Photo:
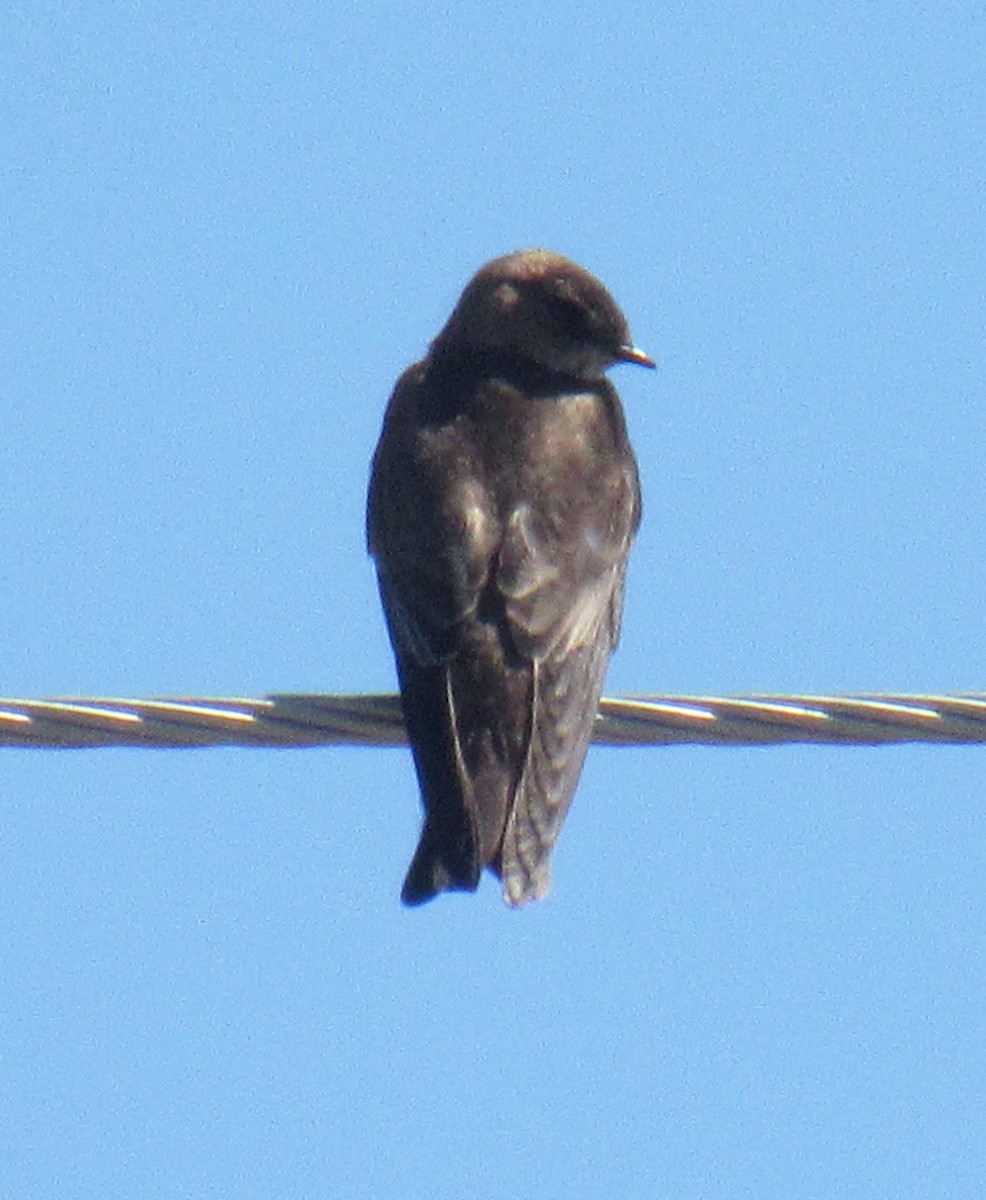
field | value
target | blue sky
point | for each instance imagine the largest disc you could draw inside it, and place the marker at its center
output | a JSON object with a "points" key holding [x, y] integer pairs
{"points": [[225, 231]]}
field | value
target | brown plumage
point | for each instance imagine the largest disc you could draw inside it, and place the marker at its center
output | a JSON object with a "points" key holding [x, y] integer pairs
{"points": [[502, 505]]}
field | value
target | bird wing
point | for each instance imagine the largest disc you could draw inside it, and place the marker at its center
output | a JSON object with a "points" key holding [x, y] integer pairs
{"points": [[433, 531], [564, 613], [448, 854]]}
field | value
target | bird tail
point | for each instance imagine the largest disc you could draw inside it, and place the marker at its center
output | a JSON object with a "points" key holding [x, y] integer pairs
{"points": [[433, 869]]}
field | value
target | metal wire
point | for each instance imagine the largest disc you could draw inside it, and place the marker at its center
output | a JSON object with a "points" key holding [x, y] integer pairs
{"points": [[320, 720]]}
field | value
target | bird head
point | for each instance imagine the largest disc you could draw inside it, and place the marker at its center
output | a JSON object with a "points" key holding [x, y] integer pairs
{"points": [[545, 309]]}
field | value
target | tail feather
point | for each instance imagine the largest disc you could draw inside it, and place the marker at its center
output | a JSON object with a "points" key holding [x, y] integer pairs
{"points": [[433, 869]]}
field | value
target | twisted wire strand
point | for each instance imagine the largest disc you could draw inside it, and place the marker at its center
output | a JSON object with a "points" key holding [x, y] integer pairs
{"points": [[289, 720]]}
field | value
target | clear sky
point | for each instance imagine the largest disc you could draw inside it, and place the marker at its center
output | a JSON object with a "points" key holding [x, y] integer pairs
{"points": [[225, 231]]}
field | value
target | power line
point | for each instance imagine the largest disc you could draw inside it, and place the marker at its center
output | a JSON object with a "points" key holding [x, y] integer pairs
{"points": [[288, 720]]}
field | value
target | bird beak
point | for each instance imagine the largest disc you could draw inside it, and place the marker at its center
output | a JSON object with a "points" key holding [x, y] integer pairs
{"points": [[631, 354]]}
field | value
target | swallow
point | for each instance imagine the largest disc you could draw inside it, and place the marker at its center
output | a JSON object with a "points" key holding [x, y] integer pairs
{"points": [[503, 501]]}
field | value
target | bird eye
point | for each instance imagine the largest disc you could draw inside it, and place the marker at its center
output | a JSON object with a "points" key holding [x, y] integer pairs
{"points": [[573, 316]]}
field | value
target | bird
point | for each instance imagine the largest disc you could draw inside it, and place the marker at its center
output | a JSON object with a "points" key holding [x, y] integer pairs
{"points": [[504, 498]]}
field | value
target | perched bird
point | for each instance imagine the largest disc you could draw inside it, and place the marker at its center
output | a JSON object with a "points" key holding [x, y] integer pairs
{"points": [[503, 501]]}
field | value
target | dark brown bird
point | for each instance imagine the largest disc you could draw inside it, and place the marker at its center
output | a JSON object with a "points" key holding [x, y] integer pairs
{"points": [[503, 501]]}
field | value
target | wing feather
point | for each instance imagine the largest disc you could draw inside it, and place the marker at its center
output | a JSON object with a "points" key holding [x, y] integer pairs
{"points": [[564, 613]]}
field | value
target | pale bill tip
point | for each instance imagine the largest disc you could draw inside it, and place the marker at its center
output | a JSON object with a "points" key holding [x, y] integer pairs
{"points": [[631, 354]]}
